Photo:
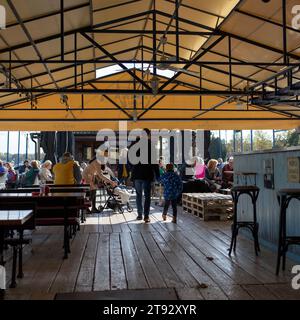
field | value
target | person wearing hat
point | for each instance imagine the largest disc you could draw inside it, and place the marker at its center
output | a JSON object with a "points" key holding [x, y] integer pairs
{"points": [[67, 171], [172, 190]]}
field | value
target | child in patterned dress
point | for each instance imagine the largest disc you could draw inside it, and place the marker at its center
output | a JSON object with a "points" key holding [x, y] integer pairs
{"points": [[172, 190]]}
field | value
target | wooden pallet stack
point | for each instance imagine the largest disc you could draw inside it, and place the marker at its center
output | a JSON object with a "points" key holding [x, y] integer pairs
{"points": [[208, 206]]}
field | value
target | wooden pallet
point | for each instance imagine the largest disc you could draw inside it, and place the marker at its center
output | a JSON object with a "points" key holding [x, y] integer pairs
{"points": [[208, 206]]}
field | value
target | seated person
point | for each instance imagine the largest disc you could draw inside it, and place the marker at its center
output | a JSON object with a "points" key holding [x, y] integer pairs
{"points": [[31, 177], [3, 175], [212, 175], [45, 172], [24, 168], [187, 170], [12, 176], [199, 168], [227, 174]]}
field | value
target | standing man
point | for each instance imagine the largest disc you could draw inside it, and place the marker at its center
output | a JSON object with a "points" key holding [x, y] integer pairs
{"points": [[67, 171], [143, 175]]}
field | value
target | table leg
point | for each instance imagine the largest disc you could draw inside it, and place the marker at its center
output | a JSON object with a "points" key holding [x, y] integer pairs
{"points": [[2, 262], [13, 283], [279, 250], [20, 273]]}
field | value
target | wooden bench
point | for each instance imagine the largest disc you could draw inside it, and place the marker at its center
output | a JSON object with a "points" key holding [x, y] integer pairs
{"points": [[208, 206], [56, 209]]}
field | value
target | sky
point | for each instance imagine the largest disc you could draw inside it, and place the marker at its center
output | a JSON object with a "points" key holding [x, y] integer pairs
{"points": [[13, 142]]}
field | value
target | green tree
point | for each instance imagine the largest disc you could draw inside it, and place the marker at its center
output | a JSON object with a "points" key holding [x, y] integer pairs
{"points": [[261, 141], [217, 148], [287, 139]]}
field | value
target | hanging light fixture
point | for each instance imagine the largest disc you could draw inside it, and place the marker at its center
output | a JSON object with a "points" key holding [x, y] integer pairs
{"points": [[134, 115], [154, 83], [64, 100]]}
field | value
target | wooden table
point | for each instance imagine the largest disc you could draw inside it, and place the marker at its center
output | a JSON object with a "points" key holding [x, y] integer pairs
{"points": [[11, 220], [52, 189], [14, 218], [65, 200]]}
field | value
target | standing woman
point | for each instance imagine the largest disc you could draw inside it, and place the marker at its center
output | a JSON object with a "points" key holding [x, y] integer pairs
{"points": [[45, 172], [92, 175]]}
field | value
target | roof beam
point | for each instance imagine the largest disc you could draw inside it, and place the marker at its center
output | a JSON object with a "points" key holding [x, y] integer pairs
{"points": [[234, 36], [71, 32], [16, 14], [199, 10], [115, 60], [113, 102], [47, 15], [267, 20], [129, 91], [197, 57]]}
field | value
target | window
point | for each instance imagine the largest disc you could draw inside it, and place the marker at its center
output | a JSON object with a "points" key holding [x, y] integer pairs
{"points": [[114, 69]]}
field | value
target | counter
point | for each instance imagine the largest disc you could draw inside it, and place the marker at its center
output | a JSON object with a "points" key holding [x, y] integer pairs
{"points": [[267, 204]]}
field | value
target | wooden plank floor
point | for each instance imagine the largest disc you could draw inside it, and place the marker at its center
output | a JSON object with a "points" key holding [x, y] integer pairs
{"points": [[116, 252]]}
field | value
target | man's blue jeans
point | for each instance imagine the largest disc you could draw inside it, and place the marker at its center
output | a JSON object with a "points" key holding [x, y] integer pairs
{"points": [[140, 187]]}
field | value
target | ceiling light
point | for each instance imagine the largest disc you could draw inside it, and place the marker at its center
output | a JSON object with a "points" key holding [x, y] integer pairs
{"points": [[64, 100], [154, 83], [134, 115]]}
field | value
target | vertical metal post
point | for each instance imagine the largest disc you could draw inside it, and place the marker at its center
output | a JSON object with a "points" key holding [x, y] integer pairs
{"points": [[7, 152], [154, 39], [230, 65], [201, 98], [160, 146], [134, 88], [220, 145], [82, 96], [234, 146], [284, 31], [182, 146], [251, 140], [26, 147], [18, 156], [274, 139], [143, 73], [172, 149], [242, 141], [62, 30], [10, 76], [177, 29], [75, 58]]}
